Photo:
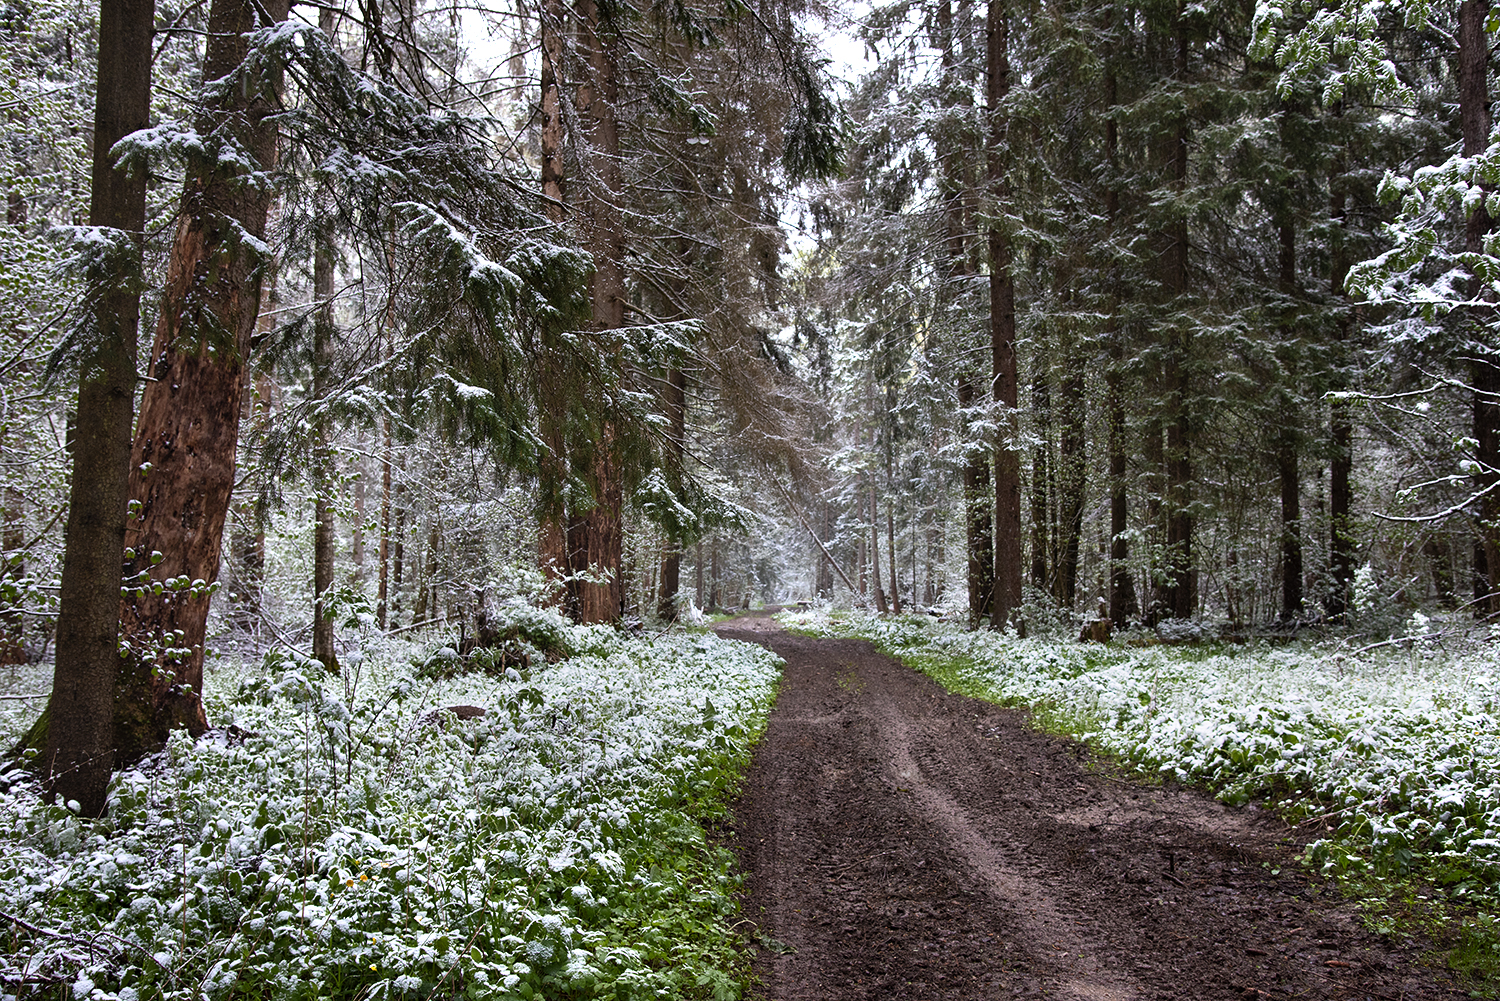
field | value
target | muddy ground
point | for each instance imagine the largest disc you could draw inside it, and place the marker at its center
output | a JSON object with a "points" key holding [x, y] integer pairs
{"points": [[902, 842]]}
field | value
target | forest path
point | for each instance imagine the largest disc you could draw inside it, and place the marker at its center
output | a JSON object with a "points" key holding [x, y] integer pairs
{"points": [[903, 842]]}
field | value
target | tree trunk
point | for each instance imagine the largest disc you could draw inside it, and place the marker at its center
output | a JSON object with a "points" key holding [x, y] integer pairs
{"points": [[382, 594], [321, 472], [357, 532], [1181, 590], [1041, 402], [825, 561], [603, 233], [859, 559], [932, 561], [979, 525], [1122, 599], [713, 593], [13, 622], [13, 539], [1291, 528], [1437, 552], [977, 498], [890, 539], [1123, 604], [698, 571], [880, 603], [599, 595], [1071, 479], [78, 746], [1286, 455], [247, 541], [1155, 462], [398, 550], [1007, 565], [552, 516], [674, 398], [429, 597], [1474, 118], [552, 132], [182, 465], [1340, 427]]}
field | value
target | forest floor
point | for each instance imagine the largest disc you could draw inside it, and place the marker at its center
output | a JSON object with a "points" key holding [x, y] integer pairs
{"points": [[903, 842]]}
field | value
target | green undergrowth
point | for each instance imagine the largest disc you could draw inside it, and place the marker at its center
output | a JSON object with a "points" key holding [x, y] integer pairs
{"points": [[1391, 757], [342, 837]]}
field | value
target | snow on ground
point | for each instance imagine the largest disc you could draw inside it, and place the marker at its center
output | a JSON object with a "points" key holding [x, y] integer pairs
{"points": [[334, 836]]}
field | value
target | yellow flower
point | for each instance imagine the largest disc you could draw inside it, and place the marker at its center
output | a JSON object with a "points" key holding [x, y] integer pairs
{"points": [[364, 876], [348, 882]]}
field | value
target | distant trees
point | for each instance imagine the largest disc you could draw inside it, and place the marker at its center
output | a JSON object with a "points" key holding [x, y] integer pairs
{"points": [[430, 293], [1178, 219], [1085, 328]]}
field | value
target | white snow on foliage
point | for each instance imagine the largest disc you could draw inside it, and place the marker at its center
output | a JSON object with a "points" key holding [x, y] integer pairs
{"points": [[351, 843], [1397, 749]]}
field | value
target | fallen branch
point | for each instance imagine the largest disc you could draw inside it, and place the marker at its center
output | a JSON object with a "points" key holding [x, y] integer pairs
{"points": [[88, 943], [827, 555]]}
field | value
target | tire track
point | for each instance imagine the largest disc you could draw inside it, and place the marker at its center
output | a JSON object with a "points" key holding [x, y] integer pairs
{"points": [[902, 842]]}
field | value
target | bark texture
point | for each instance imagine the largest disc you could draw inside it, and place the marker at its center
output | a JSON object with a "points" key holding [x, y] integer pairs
{"points": [[1180, 594], [674, 400], [78, 752], [322, 470], [1340, 426], [1007, 586], [1122, 600], [1286, 454], [602, 227], [979, 524], [1474, 118], [552, 516], [13, 540], [1071, 479], [182, 464]]}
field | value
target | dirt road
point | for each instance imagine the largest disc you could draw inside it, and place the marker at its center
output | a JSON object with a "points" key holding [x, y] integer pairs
{"points": [[902, 842]]}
